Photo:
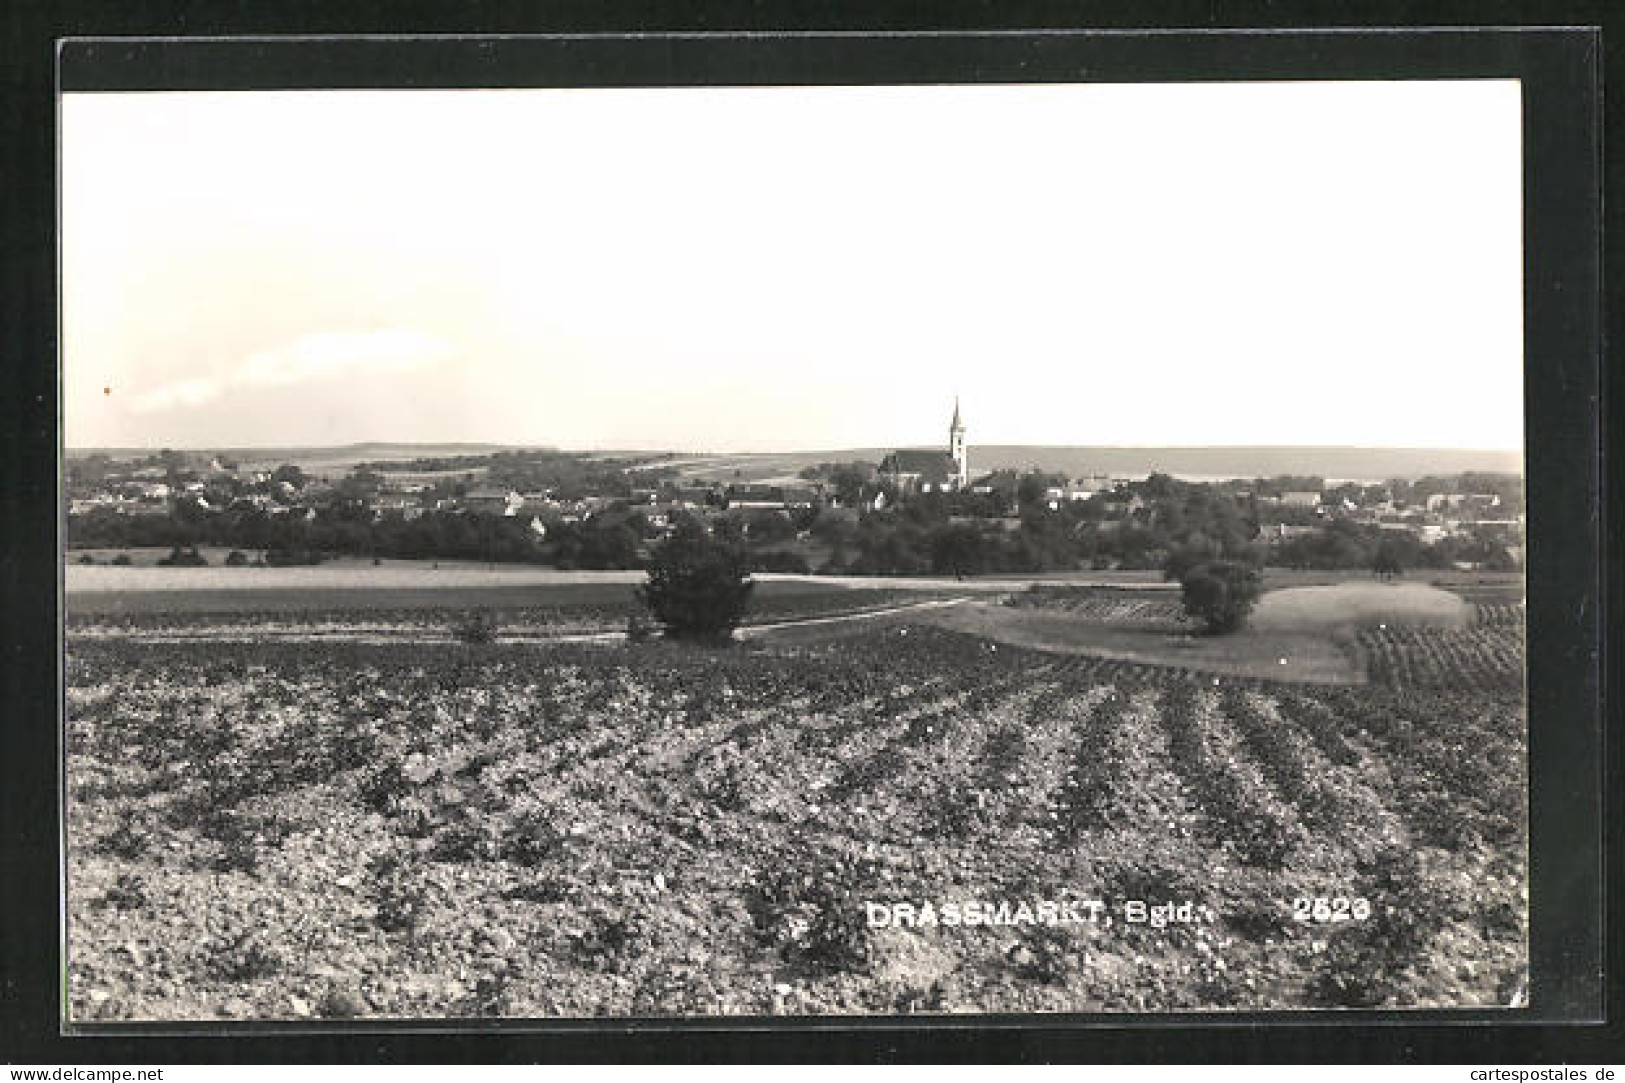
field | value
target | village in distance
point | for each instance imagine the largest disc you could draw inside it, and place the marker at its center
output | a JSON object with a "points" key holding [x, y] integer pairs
{"points": [[1001, 512]]}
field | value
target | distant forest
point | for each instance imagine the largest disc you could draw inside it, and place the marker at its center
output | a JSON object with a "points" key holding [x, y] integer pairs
{"points": [[569, 475]]}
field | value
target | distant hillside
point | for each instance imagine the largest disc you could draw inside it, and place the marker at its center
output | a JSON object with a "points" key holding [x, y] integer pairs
{"points": [[320, 461], [291, 454], [1352, 463], [1192, 463], [1196, 463]]}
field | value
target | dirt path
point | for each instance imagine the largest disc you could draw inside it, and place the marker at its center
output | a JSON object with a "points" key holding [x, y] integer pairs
{"points": [[353, 575], [1001, 584]]}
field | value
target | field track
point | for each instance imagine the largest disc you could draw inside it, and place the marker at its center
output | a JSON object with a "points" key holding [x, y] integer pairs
{"points": [[408, 632], [108, 591]]}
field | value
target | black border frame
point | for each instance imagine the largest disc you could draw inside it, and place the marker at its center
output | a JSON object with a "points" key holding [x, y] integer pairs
{"points": [[1561, 72]]}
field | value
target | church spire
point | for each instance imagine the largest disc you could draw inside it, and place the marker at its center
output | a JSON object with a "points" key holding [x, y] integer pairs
{"points": [[956, 450]]}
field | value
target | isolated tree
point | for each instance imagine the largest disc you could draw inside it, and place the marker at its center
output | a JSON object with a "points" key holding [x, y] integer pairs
{"points": [[1030, 489], [848, 481], [1160, 486], [1220, 594], [174, 465], [290, 473], [184, 557], [1196, 549], [1388, 562], [698, 585]]}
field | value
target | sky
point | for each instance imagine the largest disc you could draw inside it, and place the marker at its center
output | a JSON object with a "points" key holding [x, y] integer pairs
{"points": [[777, 269]]}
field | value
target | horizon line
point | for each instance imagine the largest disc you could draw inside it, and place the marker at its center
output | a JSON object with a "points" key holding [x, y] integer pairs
{"points": [[499, 444]]}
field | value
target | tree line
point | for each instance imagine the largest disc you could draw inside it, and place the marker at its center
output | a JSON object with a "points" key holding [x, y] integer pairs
{"points": [[1160, 523]]}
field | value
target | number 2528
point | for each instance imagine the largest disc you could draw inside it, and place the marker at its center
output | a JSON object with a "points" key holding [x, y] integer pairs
{"points": [[1336, 908]]}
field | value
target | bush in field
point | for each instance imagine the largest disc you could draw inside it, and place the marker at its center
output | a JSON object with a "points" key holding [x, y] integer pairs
{"points": [[236, 559], [87, 559], [1220, 594], [184, 557], [122, 560], [698, 585]]}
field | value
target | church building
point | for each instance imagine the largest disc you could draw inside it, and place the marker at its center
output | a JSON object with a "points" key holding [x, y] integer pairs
{"points": [[947, 471]]}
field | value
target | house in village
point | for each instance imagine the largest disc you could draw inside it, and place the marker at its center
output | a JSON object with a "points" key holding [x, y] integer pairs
{"points": [[1082, 489], [402, 504], [1469, 502], [755, 497], [802, 496], [493, 502]]}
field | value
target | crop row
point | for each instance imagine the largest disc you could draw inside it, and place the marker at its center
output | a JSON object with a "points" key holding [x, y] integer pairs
{"points": [[1486, 657], [1240, 811], [1108, 607], [1286, 758], [1457, 762], [1098, 775], [1498, 614]]}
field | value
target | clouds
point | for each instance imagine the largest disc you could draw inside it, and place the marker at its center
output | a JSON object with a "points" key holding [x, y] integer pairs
{"points": [[194, 391], [320, 356], [323, 356]]}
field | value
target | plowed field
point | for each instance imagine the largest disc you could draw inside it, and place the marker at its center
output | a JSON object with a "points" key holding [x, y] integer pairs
{"points": [[407, 831]]}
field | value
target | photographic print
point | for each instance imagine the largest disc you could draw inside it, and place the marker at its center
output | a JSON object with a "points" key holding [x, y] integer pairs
{"points": [[793, 551]]}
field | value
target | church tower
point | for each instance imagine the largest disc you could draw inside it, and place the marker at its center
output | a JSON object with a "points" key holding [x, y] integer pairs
{"points": [[956, 450]]}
